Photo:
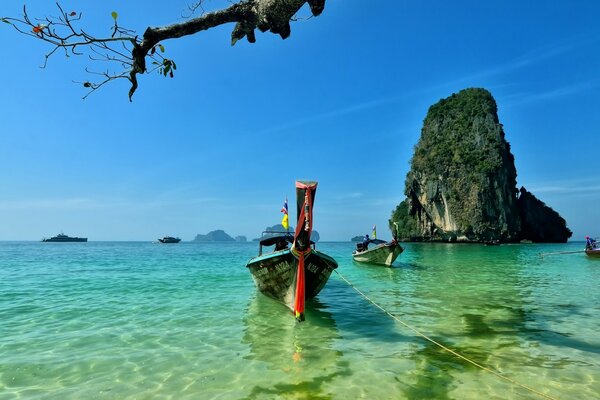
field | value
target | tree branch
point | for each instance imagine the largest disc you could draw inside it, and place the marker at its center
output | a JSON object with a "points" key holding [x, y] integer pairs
{"points": [[248, 15]]}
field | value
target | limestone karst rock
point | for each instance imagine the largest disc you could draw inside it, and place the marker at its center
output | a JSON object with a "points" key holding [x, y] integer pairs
{"points": [[462, 182]]}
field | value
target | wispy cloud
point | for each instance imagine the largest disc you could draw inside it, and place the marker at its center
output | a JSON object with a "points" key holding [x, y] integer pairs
{"points": [[565, 189], [335, 113], [571, 187], [347, 196], [553, 94], [74, 204], [389, 203], [53, 203], [360, 200], [526, 60]]}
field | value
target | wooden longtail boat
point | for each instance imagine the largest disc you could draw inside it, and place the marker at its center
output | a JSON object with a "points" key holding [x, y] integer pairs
{"points": [[291, 275], [592, 248], [384, 253], [594, 252]]}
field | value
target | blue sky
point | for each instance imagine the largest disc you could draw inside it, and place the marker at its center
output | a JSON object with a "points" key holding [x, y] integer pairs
{"points": [[342, 101]]}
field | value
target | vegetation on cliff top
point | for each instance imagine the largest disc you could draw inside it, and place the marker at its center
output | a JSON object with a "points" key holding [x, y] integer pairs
{"points": [[462, 145], [461, 131]]}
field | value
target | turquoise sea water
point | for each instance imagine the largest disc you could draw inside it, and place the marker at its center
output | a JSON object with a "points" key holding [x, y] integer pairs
{"points": [[148, 321]]}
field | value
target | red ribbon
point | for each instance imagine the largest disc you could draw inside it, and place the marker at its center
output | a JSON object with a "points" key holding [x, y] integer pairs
{"points": [[304, 223], [299, 301]]}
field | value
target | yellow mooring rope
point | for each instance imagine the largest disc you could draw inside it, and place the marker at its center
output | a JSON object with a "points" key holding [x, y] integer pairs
{"points": [[498, 374]]}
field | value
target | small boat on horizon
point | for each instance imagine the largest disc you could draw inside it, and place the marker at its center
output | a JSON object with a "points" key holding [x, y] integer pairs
{"points": [[293, 274], [169, 239], [62, 238], [492, 242]]}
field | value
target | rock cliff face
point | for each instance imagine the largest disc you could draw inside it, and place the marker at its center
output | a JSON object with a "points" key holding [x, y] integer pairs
{"points": [[539, 222], [462, 181]]}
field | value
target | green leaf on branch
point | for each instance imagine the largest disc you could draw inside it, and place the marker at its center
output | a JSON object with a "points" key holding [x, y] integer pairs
{"points": [[166, 68], [162, 48], [114, 15]]}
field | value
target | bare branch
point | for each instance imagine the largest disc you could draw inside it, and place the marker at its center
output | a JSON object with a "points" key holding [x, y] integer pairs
{"points": [[192, 8], [107, 77]]}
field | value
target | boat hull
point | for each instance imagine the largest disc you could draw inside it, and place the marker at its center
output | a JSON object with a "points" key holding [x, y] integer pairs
{"points": [[69, 240], [593, 252], [169, 240], [383, 254], [275, 274]]}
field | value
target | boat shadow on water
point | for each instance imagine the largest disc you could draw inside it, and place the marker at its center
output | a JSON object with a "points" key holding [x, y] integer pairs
{"points": [[397, 265], [357, 317]]}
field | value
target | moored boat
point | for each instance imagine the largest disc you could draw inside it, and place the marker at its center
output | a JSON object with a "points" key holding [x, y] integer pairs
{"points": [[293, 274], [62, 238], [591, 247], [492, 242], [593, 252], [384, 253], [169, 239]]}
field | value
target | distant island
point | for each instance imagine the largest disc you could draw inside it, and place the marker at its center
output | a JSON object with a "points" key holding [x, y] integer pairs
{"points": [[279, 228], [218, 236], [358, 238], [461, 186]]}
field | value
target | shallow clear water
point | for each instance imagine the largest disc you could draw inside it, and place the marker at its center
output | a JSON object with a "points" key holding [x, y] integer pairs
{"points": [[143, 320]]}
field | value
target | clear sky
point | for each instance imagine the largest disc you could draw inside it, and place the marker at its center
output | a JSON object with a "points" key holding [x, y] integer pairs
{"points": [[341, 101]]}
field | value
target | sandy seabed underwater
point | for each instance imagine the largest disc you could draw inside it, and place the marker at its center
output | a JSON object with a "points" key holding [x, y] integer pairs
{"points": [[136, 320]]}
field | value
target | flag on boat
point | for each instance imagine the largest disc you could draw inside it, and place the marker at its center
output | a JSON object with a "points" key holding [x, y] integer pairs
{"points": [[374, 235], [284, 221]]}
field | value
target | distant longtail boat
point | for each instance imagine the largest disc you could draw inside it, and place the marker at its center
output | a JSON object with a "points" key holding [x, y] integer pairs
{"points": [[593, 252], [592, 248], [293, 275], [383, 253]]}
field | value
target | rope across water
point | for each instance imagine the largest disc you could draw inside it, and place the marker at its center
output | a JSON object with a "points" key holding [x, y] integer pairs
{"points": [[419, 333]]}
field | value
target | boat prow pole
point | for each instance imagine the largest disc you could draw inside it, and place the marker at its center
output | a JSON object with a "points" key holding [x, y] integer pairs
{"points": [[305, 196]]}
